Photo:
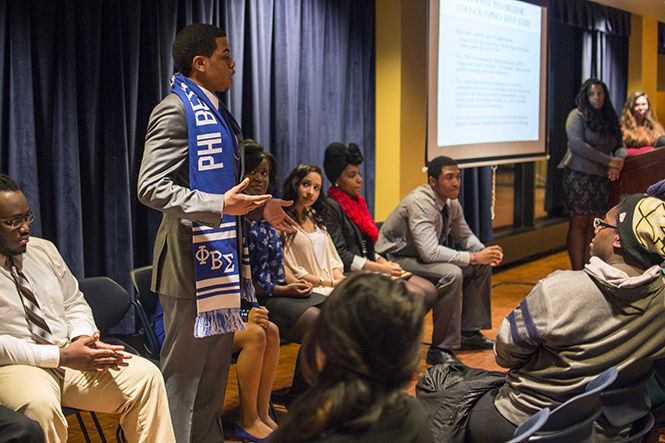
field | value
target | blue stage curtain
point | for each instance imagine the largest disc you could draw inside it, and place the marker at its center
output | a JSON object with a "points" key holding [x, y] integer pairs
{"points": [[564, 83], [476, 199], [306, 78], [591, 16], [586, 40], [80, 78], [605, 56]]}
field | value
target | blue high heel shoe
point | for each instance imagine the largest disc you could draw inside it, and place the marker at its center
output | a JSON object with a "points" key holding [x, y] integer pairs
{"points": [[246, 436]]}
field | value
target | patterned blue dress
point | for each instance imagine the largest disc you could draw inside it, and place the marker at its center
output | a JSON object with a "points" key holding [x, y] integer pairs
{"points": [[267, 262], [265, 256]]}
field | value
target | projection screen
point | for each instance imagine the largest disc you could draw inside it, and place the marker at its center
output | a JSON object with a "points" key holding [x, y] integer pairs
{"points": [[487, 81]]}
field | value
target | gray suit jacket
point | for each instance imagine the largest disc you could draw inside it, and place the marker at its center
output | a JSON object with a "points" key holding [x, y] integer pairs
{"points": [[163, 184]]}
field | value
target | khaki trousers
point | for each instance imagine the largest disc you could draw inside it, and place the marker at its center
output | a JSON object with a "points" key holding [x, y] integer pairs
{"points": [[135, 392]]}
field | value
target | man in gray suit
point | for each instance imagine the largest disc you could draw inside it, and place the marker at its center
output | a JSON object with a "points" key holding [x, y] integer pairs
{"points": [[195, 369]]}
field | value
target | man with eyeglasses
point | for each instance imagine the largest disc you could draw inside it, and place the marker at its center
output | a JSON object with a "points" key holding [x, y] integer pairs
{"points": [[50, 352], [576, 324]]}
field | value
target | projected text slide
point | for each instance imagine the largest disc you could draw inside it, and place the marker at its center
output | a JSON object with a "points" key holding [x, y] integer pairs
{"points": [[489, 72]]}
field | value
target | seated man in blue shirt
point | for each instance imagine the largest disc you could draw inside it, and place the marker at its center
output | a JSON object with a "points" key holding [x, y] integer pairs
{"points": [[415, 236]]}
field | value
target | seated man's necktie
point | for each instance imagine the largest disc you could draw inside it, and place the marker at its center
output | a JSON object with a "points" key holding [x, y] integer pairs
{"points": [[33, 313], [444, 232]]}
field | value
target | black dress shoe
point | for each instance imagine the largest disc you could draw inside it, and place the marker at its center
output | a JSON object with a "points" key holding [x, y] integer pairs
{"points": [[436, 356], [476, 341]]}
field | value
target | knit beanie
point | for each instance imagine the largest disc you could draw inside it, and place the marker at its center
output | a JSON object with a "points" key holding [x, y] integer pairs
{"points": [[641, 227], [338, 156]]}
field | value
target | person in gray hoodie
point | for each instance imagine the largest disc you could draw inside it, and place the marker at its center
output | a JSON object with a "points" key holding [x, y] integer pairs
{"points": [[576, 324]]}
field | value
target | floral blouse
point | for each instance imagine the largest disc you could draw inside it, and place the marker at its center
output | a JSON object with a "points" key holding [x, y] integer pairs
{"points": [[265, 255]]}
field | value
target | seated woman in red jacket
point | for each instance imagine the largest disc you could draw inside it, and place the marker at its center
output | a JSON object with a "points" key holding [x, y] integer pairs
{"points": [[354, 232]]}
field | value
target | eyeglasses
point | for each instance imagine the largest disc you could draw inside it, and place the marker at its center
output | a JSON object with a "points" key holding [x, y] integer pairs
{"points": [[17, 222], [598, 223]]}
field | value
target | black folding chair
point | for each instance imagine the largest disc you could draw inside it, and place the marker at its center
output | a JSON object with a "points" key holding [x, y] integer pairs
{"points": [[109, 302], [146, 305], [626, 403], [530, 426], [74, 411]]}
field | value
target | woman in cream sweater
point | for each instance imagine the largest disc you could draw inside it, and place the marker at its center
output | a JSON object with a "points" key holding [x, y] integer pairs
{"points": [[309, 253]]}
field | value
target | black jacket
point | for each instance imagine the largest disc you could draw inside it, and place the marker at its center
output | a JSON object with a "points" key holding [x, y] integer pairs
{"points": [[346, 235], [406, 421], [449, 392]]}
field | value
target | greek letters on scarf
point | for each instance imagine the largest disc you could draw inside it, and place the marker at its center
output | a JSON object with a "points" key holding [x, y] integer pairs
{"points": [[213, 160]]}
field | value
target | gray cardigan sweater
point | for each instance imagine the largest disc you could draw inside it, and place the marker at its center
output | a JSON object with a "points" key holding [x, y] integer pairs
{"points": [[589, 151]]}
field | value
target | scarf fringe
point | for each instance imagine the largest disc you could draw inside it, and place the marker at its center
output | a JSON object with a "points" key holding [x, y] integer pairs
{"points": [[220, 321], [247, 291], [212, 178]]}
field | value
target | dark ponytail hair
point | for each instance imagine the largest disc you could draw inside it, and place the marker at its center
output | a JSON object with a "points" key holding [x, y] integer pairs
{"points": [[369, 332]]}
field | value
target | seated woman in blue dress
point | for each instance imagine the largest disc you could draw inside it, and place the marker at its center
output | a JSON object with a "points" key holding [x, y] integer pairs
{"points": [[285, 308], [292, 304]]}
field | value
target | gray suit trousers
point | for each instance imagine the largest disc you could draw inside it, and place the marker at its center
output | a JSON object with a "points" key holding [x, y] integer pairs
{"points": [[195, 371], [473, 283]]}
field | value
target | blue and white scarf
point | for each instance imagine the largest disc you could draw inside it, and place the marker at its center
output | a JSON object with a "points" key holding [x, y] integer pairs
{"points": [[213, 161]]}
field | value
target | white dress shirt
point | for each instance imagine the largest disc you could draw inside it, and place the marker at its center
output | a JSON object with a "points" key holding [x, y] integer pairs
{"points": [[62, 304], [211, 96]]}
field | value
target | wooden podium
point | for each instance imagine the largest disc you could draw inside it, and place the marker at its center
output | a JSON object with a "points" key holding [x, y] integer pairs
{"points": [[639, 172]]}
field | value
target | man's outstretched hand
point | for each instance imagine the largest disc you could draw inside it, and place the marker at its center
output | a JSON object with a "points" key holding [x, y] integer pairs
{"points": [[238, 203], [275, 215]]}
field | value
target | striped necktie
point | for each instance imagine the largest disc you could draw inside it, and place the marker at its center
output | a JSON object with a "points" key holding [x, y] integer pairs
{"points": [[33, 313]]}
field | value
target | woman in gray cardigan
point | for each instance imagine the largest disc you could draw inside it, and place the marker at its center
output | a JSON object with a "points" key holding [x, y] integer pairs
{"points": [[594, 159]]}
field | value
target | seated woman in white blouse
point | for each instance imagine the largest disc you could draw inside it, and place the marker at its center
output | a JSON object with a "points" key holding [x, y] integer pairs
{"points": [[309, 253]]}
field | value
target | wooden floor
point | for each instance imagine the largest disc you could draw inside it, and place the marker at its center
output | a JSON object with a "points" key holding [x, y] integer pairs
{"points": [[510, 286]]}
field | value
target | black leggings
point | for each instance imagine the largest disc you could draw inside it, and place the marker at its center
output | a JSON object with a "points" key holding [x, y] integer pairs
{"points": [[486, 424]]}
